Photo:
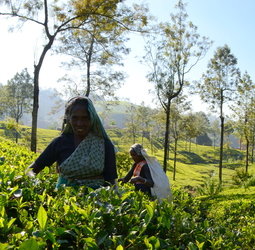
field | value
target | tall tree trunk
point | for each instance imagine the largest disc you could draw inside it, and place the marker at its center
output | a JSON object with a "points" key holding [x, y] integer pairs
{"points": [[88, 66], [247, 155], [151, 142], [133, 133], [17, 128], [221, 138], [175, 156], [166, 143], [35, 108], [252, 150], [37, 68]]}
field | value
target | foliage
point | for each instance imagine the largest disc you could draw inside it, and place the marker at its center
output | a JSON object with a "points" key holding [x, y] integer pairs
{"points": [[4, 99], [33, 215], [12, 129], [234, 208], [210, 186], [251, 182], [241, 177], [124, 163], [94, 53], [217, 86], [244, 111], [19, 95], [57, 17], [172, 49]]}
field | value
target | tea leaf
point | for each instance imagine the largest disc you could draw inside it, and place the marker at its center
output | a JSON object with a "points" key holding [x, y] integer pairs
{"points": [[10, 222], [119, 247], [30, 244], [42, 217]]}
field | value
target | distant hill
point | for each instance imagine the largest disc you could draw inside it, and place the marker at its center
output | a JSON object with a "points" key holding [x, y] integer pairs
{"points": [[113, 113], [48, 100], [51, 111]]}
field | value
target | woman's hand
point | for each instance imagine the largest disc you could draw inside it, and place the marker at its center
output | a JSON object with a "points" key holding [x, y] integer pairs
{"points": [[122, 180], [138, 179], [30, 172]]}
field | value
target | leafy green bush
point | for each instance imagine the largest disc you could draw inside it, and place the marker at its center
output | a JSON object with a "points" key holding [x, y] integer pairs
{"points": [[33, 215], [210, 187], [124, 163], [241, 177], [251, 182]]}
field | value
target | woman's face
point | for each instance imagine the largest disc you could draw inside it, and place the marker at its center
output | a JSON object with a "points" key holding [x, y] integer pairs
{"points": [[80, 121], [137, 158]]}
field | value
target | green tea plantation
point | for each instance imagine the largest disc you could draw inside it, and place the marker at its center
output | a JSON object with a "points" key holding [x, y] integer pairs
{"points": [[33, 215]]}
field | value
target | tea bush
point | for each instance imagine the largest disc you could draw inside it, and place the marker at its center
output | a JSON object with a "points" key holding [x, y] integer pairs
{"points": [[33, 215], [241, 177]]}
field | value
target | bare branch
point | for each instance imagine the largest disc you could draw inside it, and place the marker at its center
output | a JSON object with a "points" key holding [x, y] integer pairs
{"points": [[22, 17]]}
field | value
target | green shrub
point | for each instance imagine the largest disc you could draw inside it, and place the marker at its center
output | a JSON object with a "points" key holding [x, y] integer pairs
{"points": [[210, 187], [34, 216], [124, 163], [251, 182], [241, 177]]}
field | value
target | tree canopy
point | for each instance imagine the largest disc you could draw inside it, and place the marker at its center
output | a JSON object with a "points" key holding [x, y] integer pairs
{"points": [[56, 17]]}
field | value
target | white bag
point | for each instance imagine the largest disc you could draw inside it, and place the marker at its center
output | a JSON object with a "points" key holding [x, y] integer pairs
{"points": [[161, 188]]}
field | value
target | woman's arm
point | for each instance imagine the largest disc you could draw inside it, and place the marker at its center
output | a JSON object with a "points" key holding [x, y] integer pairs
{"points": [[110, 170], [147, 179], [46, 158], [128, 175], [34, 168]]}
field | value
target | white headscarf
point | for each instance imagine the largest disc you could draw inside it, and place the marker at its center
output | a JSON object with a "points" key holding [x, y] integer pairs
{"points": [[137, 148]]}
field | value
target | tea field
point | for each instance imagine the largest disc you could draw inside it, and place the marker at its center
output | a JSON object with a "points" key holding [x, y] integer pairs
{"points": [[33, 215]]}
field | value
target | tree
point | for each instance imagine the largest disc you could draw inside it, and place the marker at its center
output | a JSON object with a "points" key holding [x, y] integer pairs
{"points": [[20, 95], [244, 109], [16, 98], [228, 130], [203, 128], [157, 129], [132, 126], [215, 131], [4, 100], [194, 125], [204, 139], [172, 50], [94, 53], [144, 116], [56, 17], [218, 85], [178, 107]]}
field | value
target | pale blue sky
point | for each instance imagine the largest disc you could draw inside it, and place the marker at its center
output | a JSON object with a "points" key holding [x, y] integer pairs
{"points": [[228, 22]]}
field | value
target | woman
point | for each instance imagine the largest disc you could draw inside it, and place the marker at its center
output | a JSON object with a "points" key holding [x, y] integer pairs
{"points": [[139, 174], [83, 152]]}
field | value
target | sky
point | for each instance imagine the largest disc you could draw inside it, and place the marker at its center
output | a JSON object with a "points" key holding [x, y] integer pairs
{"points": [[228, 22]]}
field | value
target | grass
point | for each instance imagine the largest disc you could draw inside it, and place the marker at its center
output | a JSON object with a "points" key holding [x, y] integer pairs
{"points": [[197, 162], [44, 137], [229, 197]]}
